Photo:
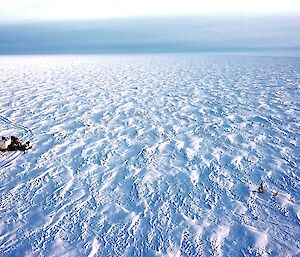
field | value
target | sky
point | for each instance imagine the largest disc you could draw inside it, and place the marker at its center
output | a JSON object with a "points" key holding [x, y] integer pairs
{"points": [[37, 10], [139, 26]]}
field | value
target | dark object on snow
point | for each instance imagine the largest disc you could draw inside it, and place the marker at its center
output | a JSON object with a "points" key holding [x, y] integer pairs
{"points": [[15, 145], [261, 188], [15, 140], [26, 146]]}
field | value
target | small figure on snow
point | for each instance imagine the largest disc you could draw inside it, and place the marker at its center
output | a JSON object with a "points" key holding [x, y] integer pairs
{"points": [[261, 188]]}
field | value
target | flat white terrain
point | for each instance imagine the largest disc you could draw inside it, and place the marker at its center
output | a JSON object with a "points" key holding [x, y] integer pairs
{"points": [[150, 156]]}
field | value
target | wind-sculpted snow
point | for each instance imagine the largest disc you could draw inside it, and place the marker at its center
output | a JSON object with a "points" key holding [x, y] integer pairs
{"points": [[151, 156]]}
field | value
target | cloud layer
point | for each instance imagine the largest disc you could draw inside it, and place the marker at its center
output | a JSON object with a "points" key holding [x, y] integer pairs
{"points": [[190, 34]]}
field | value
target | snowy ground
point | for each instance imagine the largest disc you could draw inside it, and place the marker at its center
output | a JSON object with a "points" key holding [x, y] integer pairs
{"points": [[150, 156]]}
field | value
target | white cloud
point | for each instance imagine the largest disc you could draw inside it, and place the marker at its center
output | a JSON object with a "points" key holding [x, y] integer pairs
{"points": [[12, 10]]}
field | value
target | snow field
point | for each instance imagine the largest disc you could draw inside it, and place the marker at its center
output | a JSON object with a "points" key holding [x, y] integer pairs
{"points": [[150, 156]]}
